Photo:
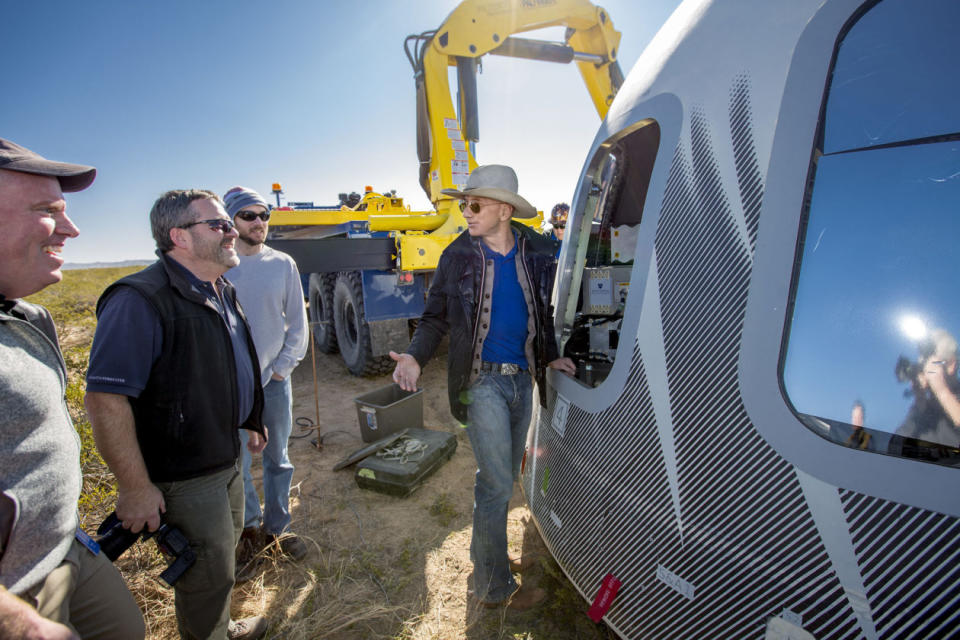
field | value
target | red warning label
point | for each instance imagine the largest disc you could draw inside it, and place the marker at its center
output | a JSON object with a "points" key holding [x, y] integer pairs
{"points": [[603, 601]]}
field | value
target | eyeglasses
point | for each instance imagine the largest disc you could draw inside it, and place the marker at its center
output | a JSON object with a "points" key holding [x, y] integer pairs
{"points": [[250, 216], [473, 206], [223, 225]]}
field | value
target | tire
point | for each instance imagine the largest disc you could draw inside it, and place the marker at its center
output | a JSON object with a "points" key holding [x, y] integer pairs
{"points": [[353, 332], [321, 311]]}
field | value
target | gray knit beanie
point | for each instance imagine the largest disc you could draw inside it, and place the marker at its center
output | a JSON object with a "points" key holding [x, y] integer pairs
{"points": [[240, 197]]}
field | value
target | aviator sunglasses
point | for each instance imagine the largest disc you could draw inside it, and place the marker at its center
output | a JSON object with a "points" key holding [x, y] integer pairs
{"points": [[250, 216], [473, 206], [223, 225]]}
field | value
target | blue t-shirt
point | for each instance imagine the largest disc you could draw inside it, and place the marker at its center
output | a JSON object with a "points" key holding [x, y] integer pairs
{"points": [[508, 314], [129, 340]]}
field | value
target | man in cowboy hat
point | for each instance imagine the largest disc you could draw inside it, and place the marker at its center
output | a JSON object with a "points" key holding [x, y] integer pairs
{"points": [[491, 292]]}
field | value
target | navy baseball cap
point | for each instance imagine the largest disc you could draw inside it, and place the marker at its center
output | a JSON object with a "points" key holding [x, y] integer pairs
{"points": [[72, 177]]}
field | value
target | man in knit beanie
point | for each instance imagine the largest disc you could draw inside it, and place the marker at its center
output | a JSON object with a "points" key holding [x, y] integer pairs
{"points": [[269, 289]]}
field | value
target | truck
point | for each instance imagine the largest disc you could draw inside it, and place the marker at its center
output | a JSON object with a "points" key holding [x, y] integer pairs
{"points": [[756, 283], [367, 261]]}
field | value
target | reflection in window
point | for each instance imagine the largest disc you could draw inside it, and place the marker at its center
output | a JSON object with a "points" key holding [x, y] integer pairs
{"points": [[603, 239], [871, 360], [896, 71]]}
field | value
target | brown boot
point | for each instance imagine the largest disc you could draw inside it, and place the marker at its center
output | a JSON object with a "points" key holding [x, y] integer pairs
{"points": [[519, 564], [521, 599], [289, 545], [526, 597]]}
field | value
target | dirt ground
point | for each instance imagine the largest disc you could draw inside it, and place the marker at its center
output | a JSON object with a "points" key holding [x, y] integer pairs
{"points": [[387, 567]]}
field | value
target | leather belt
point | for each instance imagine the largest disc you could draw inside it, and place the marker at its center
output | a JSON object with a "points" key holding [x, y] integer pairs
{"points": [[503, 368]]}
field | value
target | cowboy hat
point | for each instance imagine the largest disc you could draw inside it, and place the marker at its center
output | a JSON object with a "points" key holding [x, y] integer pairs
{"points": [[497, 182]]}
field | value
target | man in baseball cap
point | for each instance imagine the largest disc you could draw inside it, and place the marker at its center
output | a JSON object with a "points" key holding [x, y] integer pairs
{"points": [[31, 244], [72, 177], [54, 582]]}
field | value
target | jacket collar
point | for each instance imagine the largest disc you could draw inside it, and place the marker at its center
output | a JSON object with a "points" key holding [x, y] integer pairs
{"points": [[186, 284]]}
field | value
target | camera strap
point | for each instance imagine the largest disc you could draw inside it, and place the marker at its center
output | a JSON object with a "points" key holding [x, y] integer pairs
{"points": [[92, 545]]}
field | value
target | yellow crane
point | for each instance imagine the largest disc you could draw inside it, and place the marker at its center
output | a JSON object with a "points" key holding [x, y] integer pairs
{"points": [[369, 260]]}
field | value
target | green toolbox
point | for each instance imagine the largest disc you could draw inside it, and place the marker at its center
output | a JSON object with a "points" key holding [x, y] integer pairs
{"points": [[399, 469]]}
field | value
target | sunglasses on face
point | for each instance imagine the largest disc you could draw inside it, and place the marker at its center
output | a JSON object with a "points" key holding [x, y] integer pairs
{"points": [[250, 216], [473, 206], [223, 225]]}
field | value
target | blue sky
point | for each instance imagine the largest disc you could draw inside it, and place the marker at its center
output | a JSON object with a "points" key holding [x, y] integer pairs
{"points": [[318, 96]]}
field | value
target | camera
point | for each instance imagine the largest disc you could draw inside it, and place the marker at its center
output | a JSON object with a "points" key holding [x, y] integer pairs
{"points": [[906, 370], [114, 540]]}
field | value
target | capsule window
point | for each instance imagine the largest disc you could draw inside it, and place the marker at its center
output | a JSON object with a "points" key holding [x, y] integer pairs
{"points": [[871, 357]]}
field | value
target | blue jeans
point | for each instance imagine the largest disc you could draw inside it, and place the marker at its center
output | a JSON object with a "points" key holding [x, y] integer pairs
{"points": [[277, 468], [498, 415]]}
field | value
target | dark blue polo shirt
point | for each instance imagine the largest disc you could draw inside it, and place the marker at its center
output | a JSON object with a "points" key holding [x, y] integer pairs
{"points": [[508, 313], [129, 329]]}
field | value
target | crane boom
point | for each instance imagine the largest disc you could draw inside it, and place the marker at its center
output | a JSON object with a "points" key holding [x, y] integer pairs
{"points": [[445, 134]]}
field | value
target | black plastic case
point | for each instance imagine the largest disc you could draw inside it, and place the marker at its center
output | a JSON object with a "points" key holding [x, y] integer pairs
{"points": [[400, 479]]}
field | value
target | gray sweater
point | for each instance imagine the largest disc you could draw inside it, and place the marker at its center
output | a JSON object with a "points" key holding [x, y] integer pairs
{"points": [[40, 476], [269, 290]]}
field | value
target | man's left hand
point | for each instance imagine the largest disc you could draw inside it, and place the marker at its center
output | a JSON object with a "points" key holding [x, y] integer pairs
{"points": [[565, 365], [256, 442]]}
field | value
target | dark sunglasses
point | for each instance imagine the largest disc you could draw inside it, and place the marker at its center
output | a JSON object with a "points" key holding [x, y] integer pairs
{"points": [[250, 216], [223, 225], [473, 206]]}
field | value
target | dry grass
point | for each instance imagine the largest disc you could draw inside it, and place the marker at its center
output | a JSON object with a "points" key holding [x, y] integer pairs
{"points": [[379, 566]]}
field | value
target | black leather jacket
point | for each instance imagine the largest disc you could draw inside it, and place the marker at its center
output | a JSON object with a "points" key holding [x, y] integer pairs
{"points": [[452, 307]]}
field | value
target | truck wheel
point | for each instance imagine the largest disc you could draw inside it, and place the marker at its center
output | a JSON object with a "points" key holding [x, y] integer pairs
{"points": [[321, 311], [353, 333]]}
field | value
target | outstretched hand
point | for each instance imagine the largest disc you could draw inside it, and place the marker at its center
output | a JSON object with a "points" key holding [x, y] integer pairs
{"points": [[407, 371]]}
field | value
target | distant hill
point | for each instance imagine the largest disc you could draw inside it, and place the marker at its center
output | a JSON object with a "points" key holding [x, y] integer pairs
{"points": [[103, 265]]}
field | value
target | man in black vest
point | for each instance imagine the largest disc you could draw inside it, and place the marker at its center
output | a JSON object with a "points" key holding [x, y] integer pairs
{"points": [[173, 375]]}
